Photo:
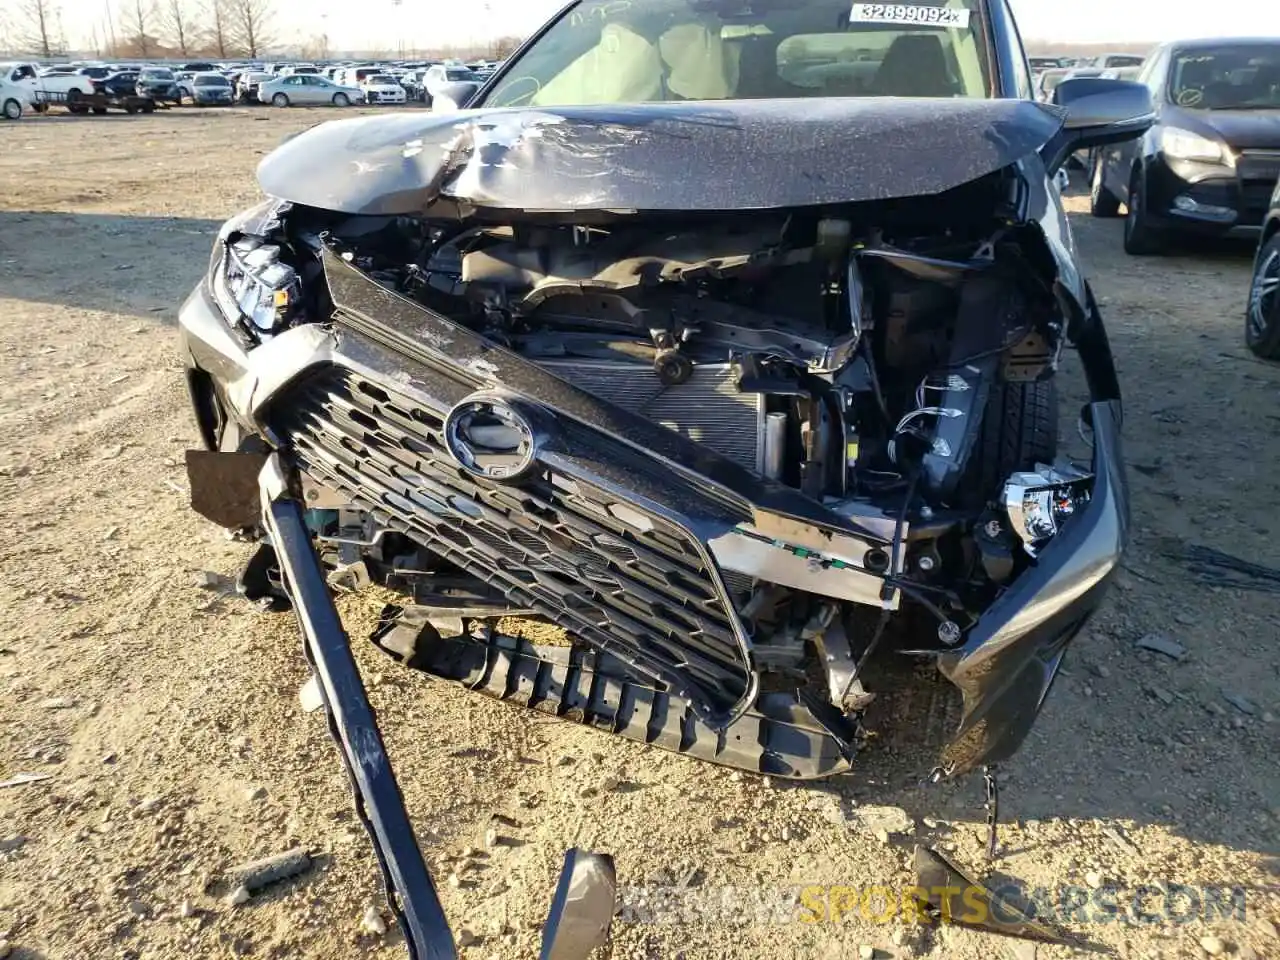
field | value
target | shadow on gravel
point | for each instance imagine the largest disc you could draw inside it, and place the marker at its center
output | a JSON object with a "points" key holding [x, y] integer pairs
{"points": [[143, 266]]}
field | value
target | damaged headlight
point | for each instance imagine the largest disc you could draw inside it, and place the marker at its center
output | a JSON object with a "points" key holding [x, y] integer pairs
{"points": [[1040, 502], [252, 283]]}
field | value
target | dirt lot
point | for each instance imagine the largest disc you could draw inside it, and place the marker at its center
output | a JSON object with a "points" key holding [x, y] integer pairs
{"points": [[167, 716]]}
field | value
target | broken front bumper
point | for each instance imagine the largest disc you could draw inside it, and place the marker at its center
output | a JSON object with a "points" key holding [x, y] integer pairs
{"points": [[623, 521]]}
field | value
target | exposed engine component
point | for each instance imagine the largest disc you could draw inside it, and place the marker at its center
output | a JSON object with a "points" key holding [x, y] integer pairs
{"points": [[704, 446]]}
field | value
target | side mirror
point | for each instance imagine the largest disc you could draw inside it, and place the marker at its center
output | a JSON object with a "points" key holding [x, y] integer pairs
{"points": [[583, 908], [454, 96], [1099, 112]]}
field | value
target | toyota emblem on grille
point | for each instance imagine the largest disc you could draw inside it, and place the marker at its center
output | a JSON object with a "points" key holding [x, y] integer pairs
{"points": [[490, 438]]}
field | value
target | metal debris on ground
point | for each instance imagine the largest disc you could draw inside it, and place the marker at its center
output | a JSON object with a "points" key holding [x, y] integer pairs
{"points": [[946, 894], [1218, 569], [1242, 704], [22, 779], [262, 873], [1162, 644]]}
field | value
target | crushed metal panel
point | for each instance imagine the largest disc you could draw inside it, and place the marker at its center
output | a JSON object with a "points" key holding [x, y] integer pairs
{"points": [[764, 154]]}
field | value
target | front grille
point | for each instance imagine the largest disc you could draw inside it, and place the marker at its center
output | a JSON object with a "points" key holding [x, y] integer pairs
{"points": [[620, 578], [1258, 171], [708, 408], [1259, 165]]}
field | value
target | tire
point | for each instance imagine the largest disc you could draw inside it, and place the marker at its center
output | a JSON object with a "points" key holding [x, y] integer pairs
{"points": [[1102, 202], [341, 100], [1141, 239], [99, 110], [73, 102], [280, 100], [11, 109], [1262, 319], [1019, 430]]}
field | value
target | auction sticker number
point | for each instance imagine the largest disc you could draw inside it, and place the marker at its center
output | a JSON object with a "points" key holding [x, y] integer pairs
{"points": [[910, 14]]}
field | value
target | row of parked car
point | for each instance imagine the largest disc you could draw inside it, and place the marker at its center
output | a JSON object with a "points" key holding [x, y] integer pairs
{"points": [[86, 86], [1209, 167]]}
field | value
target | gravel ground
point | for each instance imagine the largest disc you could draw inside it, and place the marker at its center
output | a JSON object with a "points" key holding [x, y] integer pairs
{"points": [[167, 720]]}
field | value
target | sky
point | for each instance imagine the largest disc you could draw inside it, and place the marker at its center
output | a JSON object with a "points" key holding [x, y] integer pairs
{"points": [[385, 24]]}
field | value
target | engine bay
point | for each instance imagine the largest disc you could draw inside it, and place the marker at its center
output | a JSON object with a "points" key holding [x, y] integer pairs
{"points": [[897, 372]]}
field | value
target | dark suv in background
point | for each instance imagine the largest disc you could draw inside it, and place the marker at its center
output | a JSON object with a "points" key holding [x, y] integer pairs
{"points": [[1211, 161]]}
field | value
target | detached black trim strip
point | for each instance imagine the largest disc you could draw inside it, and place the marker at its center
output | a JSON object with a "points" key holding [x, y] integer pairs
{"points": [[410, 893]]}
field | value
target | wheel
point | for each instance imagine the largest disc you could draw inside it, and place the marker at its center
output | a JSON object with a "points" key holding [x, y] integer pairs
{"points": [[149, 107], [341, 100], [12, 109], [280, 100], [99, 110], [1140, 237], [1019, 430], [1262, 325], [73, 102], [131, 109], [1102, 202]]}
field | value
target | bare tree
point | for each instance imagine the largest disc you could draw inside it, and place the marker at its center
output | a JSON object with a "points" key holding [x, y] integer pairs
{"points": [[250, 25], [179, 24], [503, 47], [317, 48], [218, 33], [36, 26], [138, 17]]}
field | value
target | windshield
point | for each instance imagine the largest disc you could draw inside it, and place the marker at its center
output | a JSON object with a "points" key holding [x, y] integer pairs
{"points": [[617, 51], [212, 82], [455, 74], [1227, 78], [157, 74]]}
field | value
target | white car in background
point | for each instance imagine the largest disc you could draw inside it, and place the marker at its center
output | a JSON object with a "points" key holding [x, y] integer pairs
{"points": [[15, 99], [443, 74], [72, 85], [383, 88], [307, 90]]}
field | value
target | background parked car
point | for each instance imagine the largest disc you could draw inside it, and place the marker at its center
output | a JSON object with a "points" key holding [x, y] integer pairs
{"points": [[15, 99], [442, 74], [1109, 60], [1211, 162], [1048, 81], [383, 88], [1262, 328], [248, 84], [211, 89], [70, 85], [307, 89], [160, 84], [121, 84]]}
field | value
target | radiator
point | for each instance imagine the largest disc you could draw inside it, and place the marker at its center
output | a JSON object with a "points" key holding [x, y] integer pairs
{"points": [[707, 408]]}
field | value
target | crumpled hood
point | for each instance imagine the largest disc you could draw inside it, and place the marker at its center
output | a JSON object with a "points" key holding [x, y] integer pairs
{"points": [[686, 156]]}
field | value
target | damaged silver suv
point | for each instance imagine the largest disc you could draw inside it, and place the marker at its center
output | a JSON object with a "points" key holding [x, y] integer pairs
{"points": [[715, 339]]}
